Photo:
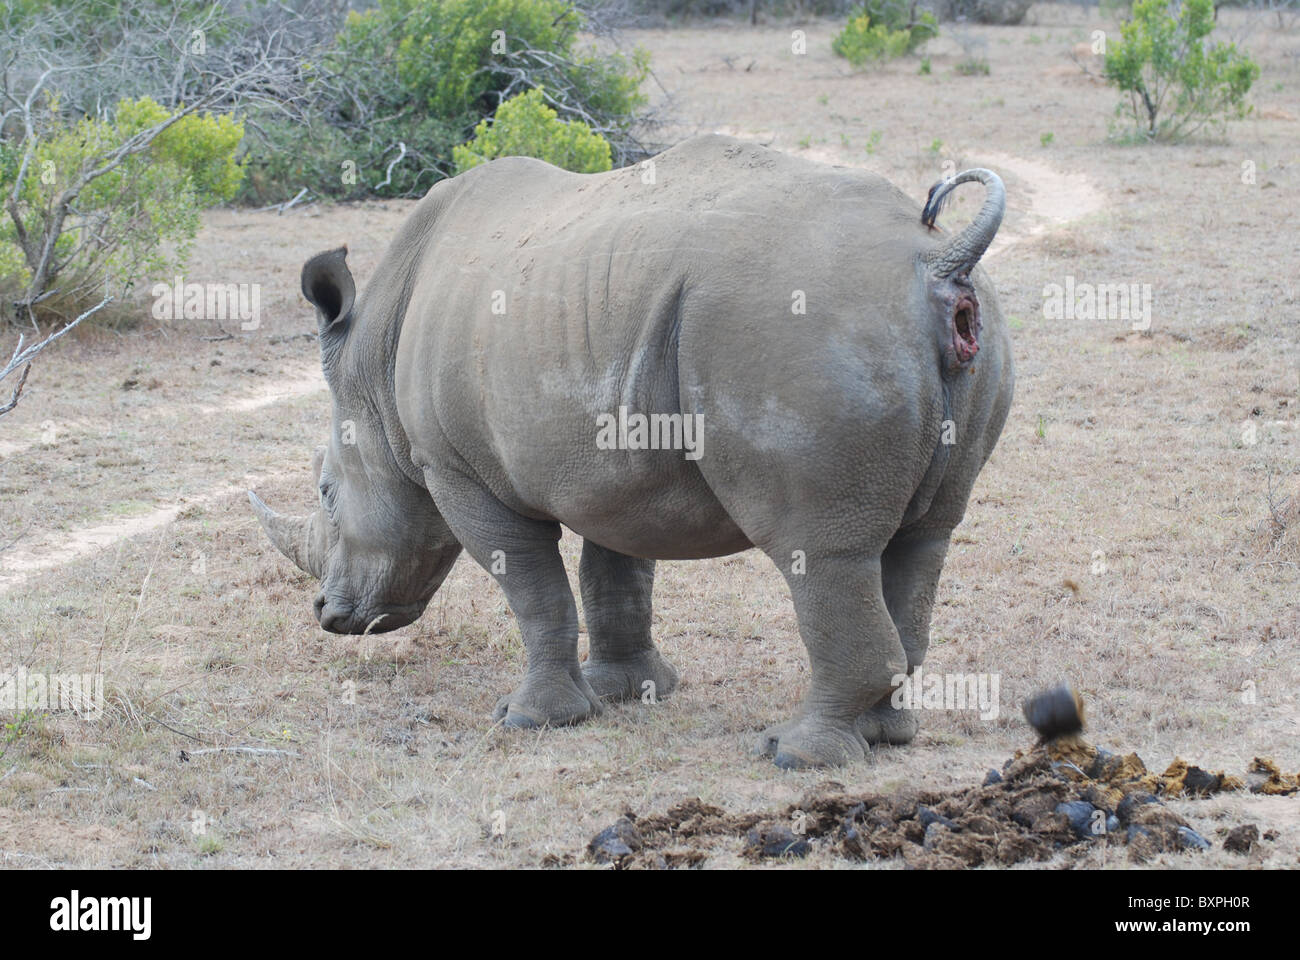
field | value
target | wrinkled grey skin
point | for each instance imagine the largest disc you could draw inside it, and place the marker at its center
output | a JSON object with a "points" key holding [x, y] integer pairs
{"points": [[822, 430]]}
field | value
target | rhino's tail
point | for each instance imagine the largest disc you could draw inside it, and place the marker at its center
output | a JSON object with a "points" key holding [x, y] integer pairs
{"points": [[961, 253]]}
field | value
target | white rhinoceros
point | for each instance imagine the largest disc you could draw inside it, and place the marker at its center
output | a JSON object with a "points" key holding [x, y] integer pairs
{"points": [[722, 348]]}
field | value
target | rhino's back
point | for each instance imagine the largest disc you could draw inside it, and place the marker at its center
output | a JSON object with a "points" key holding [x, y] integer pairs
{"points": [[726, 193], [584, 273]]}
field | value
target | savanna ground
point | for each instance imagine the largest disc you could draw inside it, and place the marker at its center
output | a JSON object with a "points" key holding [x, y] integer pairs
{"points": [[1122, 536]]}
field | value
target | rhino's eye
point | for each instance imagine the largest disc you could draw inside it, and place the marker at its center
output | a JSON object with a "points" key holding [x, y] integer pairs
{"points": [[328, 488]]}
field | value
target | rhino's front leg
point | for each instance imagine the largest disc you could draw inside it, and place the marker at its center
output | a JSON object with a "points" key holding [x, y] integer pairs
{"points": [[623, 663], [523, 555], [910, 569], [854, 651]]}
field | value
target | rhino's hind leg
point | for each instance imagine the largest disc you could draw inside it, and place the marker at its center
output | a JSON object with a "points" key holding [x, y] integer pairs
{"points": [[910, 568], [855, 652], [523, 555], [885, 723], [623, 663]]}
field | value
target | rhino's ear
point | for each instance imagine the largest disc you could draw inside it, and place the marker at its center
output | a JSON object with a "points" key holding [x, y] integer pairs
{"points": [[327, 285]]}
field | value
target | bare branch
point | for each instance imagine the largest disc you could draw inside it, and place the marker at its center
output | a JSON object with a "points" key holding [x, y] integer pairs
{"points": [[23, 358]]}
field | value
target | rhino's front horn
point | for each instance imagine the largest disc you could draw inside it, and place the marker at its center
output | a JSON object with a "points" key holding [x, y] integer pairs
{"points": [[295, 537], [960, 254]]}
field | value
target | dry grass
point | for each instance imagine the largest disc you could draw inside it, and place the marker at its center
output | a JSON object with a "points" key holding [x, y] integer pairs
{"points": [[1131, 444]]}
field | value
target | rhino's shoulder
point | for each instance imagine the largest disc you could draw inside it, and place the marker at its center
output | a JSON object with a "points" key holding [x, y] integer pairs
{"points": [[522, 172]]}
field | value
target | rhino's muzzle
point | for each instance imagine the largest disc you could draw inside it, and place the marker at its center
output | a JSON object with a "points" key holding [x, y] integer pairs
{"points": [[340, 617]]}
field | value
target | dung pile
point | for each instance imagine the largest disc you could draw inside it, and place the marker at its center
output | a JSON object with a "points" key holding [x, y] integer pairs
{"points": [[1062, 795]]}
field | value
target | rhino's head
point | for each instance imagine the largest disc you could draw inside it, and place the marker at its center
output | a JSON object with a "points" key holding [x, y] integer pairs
{"points": [[376, 543]]}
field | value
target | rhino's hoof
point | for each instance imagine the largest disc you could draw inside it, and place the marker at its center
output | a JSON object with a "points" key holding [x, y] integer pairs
{"points": [[547, 702], [804, 743], [518, 717], [648, 677], [885, 723]]}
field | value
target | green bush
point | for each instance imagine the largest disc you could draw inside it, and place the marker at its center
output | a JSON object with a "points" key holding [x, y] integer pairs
{"points": [[1176, 82], [524, 126], [972, 67], [424, 73], [884, 30], [137, 218]]}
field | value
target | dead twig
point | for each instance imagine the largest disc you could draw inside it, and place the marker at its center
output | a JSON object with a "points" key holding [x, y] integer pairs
{"points": [[388, 176], [289, 203], [23, 358]]}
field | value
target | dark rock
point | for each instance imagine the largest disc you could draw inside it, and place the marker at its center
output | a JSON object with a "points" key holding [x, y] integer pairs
{"points": [[1080, 815], [1241, 839], [615, 843], [927, 816], [1200, 782], [991, 778], [1128, 807], [1097, 768], [1189, 839], [774, 840]]}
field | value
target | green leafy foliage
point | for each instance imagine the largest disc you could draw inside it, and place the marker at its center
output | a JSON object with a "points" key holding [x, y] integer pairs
{"points": [[1176, 80], [884, 30], [138, 216], [423, 74], [524, 126]]}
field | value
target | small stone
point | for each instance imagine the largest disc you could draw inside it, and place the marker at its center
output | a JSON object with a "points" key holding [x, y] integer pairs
{"points": [[1080, 815], [1241, 839], [774, 840], [1189, 839], [1128, 807], [927, 816], [1096, 770], [1200, 782], [991, 778], [616, 842]]}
